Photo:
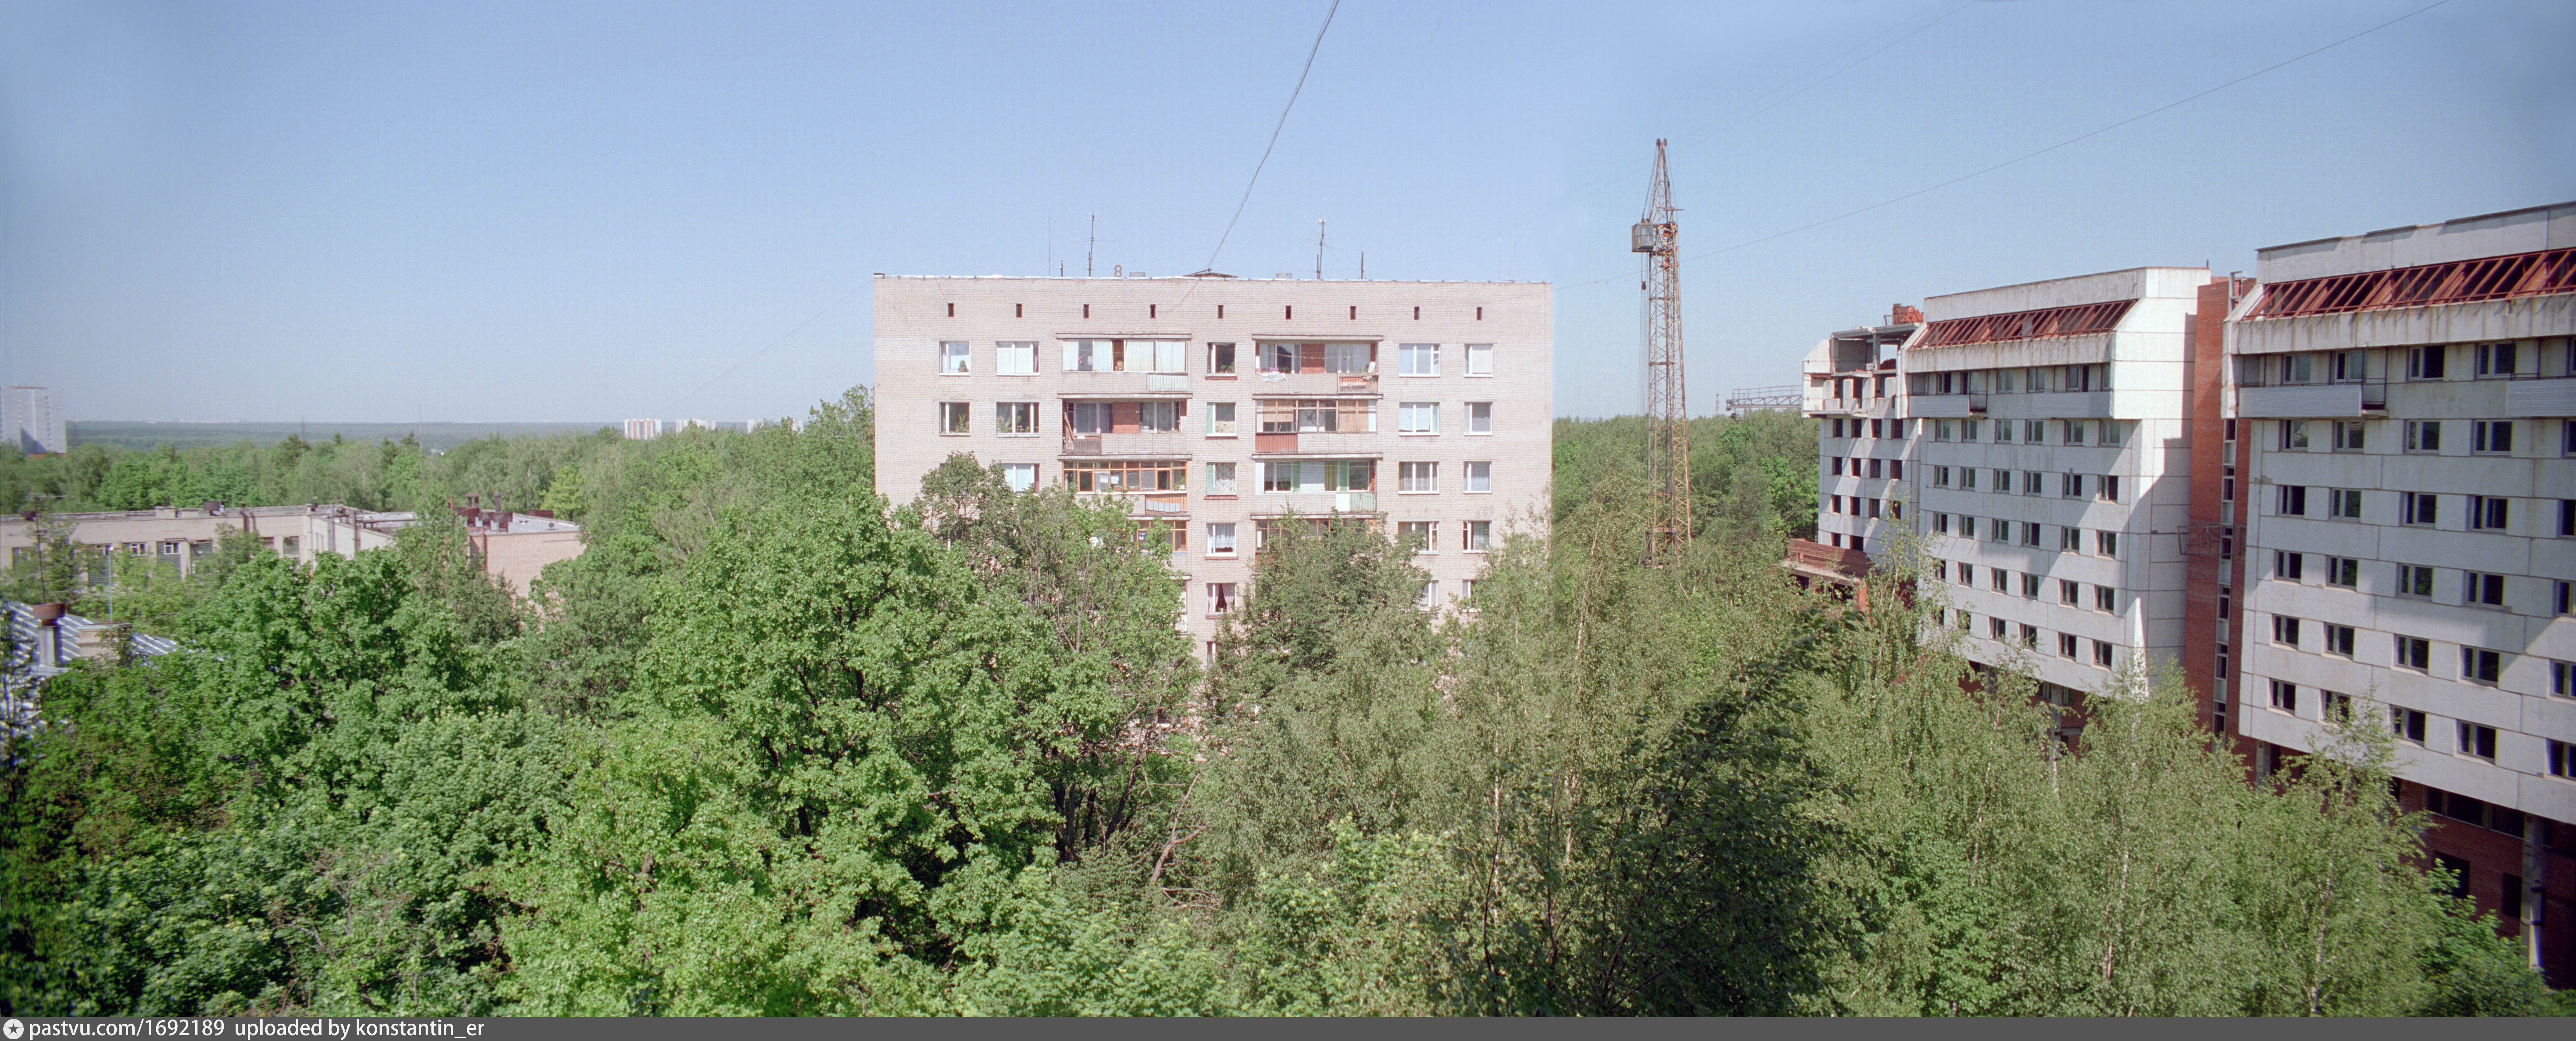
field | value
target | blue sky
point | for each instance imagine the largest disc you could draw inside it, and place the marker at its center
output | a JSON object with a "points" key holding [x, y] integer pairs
{"points": [[586, 212]]}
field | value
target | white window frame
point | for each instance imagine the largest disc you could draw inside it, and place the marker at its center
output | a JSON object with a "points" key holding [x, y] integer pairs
{"points": [[1221, 478], [1022, 352], [1221, 420], [1480, 418], [956, 357], [1220, 539], [1478, 477], [1476, 536], [1011, 476], [956, 418], [1417, 417], [1480, 359], [1007, 414], [1417, 478], [1417, 359]]}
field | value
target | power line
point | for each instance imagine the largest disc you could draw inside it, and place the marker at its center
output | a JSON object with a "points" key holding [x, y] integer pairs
{"points": [[1274, 134], [2044, 151], [737, 366]]}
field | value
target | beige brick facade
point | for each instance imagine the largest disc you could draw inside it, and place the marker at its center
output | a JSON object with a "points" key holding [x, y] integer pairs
{"points": [[1125, 384]]}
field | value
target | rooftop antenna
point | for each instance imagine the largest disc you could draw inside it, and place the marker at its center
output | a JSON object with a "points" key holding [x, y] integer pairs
{"points": [[1095, 245], [1319, 249]]}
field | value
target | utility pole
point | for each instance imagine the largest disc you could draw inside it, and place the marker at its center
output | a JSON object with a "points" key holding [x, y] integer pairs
{"points": [[1667, 407]]}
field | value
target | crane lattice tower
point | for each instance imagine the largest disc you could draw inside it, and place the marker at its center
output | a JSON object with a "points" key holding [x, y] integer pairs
{"points": [[1667, 408]]}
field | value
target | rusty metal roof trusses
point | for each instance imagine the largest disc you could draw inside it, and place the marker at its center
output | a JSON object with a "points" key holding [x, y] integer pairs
{"points": [[2452, 282], [2078, 320]]}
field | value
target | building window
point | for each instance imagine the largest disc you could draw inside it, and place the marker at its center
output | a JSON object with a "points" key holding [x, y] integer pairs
{"points": [[2288, 566], [2343, 503], [2479, 665], [1967, 574], [1220, 359], [2285, 630], [954, 356], [2102, 654], [2030, 534], [1015, 418], [1940, 524], [2488, 512], [2030, 636], [2481, 589], [1834, 466], [2106, 598], [1480, 359], [1480, 477], [1417, 417], [2497, 359], [2034, 431], [1127, 475], [2423, 435], [1480, 417], [2562, 679], [1420, 536], [1417, 477], [2566, 516], [952, 417], [2418, 508], [2477, 740], [1220, 539], [1016, 357], [1430, 595], [2285, 696], [1320, 475], [2069, 592], [1941, 570], [2066, 645], [2406, 723], [1221, 421], [2110, 488], [1417, 359], [1220, 597], [1940, 477], [2347, 435], [1220, 478], [2336, 708], [1316, 415], [2491, 435], [2294, 500], [2339, 640], [2076, 430], [2070, 486], [2000, 579], [2030, 586], [2030, 482], [1477, 535], [2294, 435], [1158, 417], [2108, 543], [1874, 468], [1997, 628], [2003, 482], [1967, 526], [2425, 363], [2000, 531], [2562, 759], [2415, 652]]}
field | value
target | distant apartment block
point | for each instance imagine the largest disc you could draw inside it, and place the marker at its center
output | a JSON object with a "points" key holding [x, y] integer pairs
{"points": [[33, 419], [512, 546], [643, 429], [1216, 409]]}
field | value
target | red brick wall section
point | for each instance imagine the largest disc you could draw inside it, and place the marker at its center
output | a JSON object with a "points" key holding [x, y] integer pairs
{"points": [[2492, 855]]}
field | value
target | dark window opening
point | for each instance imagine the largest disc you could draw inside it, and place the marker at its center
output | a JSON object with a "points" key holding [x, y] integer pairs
{"points": [[952, 310]]}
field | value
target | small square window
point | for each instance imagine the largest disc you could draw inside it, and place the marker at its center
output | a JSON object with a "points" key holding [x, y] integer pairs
{"points": [[2479, 665], [2481, 589], [2001, 579], [2423, 435], [954, 356], [2285, 696], [2493, 436], [2489, 512], [1020, 477], [1478, 535], [2069, 592], [2418, 508], [2288, 566], [1480, 477], [2339, 640], [2285, 630], [2406, 723], [2415, 652], [1421, 536], [953, 417], [2106, 598], [2479, 741], [2066, 645], [2030, 586], [1480, 359], [1480, 417], [2102, 654], [2294, 435], [1220, 539]]}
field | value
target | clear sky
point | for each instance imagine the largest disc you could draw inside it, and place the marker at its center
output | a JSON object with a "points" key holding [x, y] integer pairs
{"points": [[539, 211]]}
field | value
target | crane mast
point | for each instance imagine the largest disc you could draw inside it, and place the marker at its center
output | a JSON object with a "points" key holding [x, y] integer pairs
{"points": [[1667, 407]]}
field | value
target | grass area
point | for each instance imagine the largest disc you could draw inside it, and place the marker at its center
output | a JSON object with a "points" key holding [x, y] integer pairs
{"points": [[433, 436]]}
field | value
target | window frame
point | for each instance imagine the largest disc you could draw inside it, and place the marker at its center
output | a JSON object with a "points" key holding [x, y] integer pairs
{"points": [[956, 357]]}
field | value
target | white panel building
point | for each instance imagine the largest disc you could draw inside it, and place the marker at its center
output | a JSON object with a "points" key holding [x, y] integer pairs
{"points": [[33, 418], [1218, 407]]}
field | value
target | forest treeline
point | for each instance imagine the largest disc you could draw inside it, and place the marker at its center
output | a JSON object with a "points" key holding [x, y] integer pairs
{"points": [[771, 747]]}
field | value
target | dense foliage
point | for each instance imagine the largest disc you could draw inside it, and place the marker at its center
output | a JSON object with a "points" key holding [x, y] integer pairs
{"points": [[771, 747]]}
